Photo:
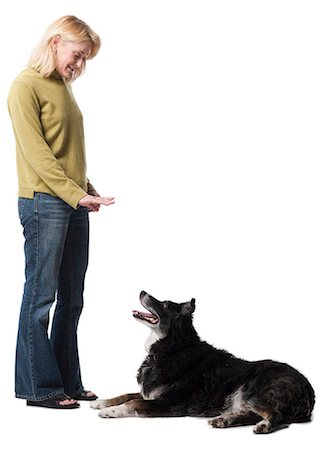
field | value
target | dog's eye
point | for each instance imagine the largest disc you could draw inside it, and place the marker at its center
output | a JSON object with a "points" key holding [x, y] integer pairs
{"points": [[165, 305]]}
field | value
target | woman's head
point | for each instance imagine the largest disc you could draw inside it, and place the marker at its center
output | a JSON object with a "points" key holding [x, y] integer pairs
{"points": [[66, 45]]}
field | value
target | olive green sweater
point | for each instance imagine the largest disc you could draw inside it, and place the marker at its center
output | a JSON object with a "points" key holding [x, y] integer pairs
{"points": [[48, 128]]}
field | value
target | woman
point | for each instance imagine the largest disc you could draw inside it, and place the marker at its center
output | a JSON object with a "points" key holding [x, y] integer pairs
{"points": [[55, 197]]}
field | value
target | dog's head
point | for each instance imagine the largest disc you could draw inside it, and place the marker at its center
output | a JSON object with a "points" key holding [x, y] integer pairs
{"points": [[163, 315]]}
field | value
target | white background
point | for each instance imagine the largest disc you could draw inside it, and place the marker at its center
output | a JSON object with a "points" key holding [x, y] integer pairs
{"points": [[210, 122]]}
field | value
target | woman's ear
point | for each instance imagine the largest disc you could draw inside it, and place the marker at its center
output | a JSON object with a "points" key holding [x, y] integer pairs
{"points": [[55, 42]]}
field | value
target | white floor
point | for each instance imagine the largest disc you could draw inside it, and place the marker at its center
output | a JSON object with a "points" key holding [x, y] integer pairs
{"points": [[39, 428]]}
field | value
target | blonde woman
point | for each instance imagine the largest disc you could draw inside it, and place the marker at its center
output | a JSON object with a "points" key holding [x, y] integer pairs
{"points": [[55, 197]]}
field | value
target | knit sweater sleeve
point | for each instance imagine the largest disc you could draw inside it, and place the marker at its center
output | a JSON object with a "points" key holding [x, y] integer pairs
{"points": [[24, 110]]}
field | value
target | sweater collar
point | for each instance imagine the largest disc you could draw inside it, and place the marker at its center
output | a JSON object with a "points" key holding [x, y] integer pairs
{"points": [[56, 75]]}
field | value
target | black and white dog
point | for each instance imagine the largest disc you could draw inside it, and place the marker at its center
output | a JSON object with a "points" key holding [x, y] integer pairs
{"points": [[184, 376]]}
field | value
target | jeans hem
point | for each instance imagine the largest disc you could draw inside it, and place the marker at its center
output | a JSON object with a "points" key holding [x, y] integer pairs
{"points": [[39, 399], [77, 393]]}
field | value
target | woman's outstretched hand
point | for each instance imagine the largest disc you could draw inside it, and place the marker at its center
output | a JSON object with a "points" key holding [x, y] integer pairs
{"points": [[93, 203]]}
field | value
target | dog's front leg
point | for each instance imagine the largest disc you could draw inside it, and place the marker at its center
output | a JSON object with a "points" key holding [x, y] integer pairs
{"points": [[140, 408], [101, 404]]}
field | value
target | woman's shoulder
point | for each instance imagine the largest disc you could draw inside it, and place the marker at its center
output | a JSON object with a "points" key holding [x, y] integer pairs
{"points": [[25, 86], [30, 83], [28, 76]]}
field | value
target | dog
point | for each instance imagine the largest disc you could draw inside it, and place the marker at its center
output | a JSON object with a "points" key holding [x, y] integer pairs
{"points": [[185, 376]]}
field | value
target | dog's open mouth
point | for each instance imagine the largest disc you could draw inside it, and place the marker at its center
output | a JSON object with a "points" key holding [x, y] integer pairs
{"points": [[147, 317]]}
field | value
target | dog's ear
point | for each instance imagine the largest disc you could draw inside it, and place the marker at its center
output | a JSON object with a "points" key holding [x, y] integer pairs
{"points": [[188, 308]]}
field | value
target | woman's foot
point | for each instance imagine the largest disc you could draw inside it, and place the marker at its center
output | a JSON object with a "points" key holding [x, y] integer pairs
{"points": [[68, 402], [86, 395], [61, 401]]}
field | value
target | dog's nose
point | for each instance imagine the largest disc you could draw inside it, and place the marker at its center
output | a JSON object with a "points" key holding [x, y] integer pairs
{"points": [[142, 294]]}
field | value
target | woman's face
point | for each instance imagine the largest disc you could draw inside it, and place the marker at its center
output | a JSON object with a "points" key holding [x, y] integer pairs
{"points": [[69, 56]]}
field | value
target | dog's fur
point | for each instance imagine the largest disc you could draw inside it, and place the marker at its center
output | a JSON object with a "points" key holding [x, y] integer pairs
{"points": [[184, 376]]}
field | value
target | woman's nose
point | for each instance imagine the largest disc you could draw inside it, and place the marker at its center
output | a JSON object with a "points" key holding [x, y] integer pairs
{"points": [[79, 63]]}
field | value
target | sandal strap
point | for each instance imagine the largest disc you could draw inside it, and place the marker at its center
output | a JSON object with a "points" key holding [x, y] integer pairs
{"points": [[54, 402]]}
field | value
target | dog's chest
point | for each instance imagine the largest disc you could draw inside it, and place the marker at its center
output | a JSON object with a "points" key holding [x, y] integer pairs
{"points": [[147, 374], [153, 337], [149, 380], [153, 394]]}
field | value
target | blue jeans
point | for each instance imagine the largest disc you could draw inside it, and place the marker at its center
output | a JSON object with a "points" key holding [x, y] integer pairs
{"points": [[56, 259]]}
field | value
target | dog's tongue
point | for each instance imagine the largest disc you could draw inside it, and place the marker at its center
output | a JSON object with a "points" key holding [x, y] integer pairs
{"points": [[145, 316]]}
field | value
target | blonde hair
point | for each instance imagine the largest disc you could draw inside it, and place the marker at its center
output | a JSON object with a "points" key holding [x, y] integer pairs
{"points": [[70, 29]]}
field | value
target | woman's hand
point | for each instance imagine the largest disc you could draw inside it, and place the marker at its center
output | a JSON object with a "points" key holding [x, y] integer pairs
{"points": [[93, 203]]}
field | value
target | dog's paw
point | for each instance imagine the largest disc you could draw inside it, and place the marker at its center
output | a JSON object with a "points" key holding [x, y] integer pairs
{"points": [[263, 427], [108, 413], [98, 404], [218, 422], [117, 411]]}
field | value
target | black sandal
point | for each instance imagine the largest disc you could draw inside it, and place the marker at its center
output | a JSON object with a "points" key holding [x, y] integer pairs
{"points": [[85, 397], [54, 402]]}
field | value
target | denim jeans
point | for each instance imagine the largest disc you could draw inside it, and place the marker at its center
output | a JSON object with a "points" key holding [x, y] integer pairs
{"points": [[56, 258]]}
